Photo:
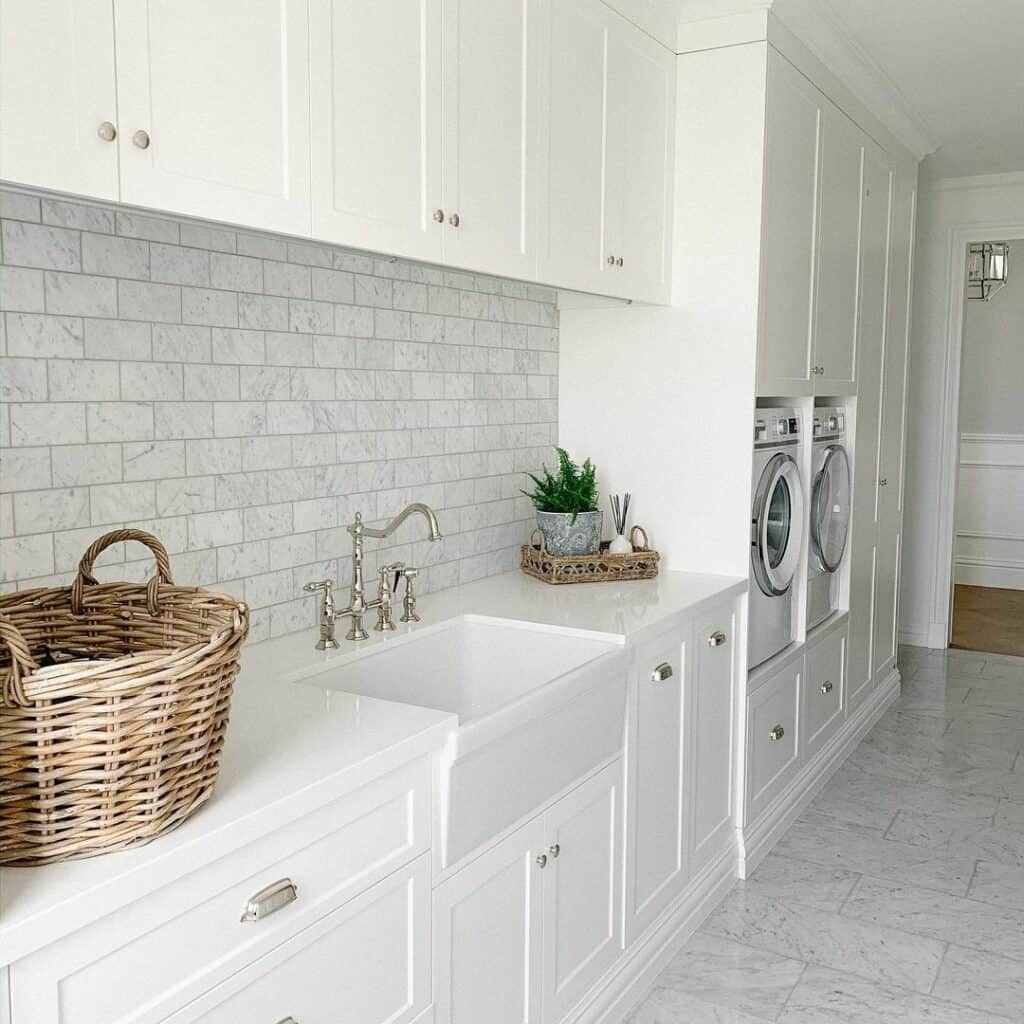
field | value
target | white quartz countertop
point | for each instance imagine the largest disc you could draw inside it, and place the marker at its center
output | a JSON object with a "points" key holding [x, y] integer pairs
{"points": [[292, 748]]}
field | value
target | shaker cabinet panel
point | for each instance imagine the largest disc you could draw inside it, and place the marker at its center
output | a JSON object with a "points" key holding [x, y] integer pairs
{"points": [[375, 72], [57, 93], [835, 329], [214, 109], [788, 231], [490, 112]]}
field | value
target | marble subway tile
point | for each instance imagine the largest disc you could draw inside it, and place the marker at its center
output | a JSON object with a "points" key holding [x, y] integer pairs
{"points": [[38, 245]]}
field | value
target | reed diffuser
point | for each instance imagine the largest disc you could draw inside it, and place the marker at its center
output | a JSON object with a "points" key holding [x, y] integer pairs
{"points": [[620, 544]]}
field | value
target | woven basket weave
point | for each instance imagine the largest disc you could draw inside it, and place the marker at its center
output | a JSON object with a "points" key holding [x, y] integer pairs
{"points": [[115, 700], [602, 567]]}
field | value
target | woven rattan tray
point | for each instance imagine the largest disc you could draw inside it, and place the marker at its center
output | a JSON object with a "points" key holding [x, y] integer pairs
{"points": [[603, 567]]}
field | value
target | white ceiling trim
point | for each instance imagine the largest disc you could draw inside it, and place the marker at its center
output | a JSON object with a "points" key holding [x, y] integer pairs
{"points": [[1009, 179], [822, 31]]}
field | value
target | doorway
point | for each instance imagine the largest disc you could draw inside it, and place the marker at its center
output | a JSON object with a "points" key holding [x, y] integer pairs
{"points": [[988, 543]]}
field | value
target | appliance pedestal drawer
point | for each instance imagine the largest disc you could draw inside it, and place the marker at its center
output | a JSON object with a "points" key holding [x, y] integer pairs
{"points": [[772, 741]]}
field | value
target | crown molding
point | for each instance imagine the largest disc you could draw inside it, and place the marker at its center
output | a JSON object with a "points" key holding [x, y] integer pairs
{"points": [[1010, 179], [818, 27]]}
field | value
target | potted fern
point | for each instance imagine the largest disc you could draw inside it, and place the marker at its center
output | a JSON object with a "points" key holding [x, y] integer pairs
{"points": [[566, 504]]}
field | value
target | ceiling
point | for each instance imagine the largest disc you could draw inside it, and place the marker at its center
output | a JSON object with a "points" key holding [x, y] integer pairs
{"points": [[957, 67]]}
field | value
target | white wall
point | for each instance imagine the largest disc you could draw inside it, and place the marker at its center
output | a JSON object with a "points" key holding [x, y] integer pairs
{"points": [[945, 207]]}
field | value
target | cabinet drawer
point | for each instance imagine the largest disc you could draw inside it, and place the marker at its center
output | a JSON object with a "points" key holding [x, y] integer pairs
{"points": [[150, 958], [367, 962], [772, 749], [822, 712]]}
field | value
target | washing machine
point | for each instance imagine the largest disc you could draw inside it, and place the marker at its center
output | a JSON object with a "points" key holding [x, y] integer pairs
{"points": [[777, 520], [830, 512]]}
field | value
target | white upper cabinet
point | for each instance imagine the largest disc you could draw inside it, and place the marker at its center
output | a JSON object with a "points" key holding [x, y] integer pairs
{"points": [[606, 150], [788, 231], [375, 97], [490, 112], [214, 109], [638, 162], [835, 326], [57, 94]]}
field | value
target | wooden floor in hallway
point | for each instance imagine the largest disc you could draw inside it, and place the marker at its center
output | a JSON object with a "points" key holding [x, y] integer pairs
{"points": [[898, 897], [988, 619]]}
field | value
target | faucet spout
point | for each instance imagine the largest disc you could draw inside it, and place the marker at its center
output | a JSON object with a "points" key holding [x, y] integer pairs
{"points": [[417, 506]]}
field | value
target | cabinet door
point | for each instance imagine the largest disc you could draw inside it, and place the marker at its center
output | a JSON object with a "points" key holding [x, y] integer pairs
{"points": [[221, 91], [375, 73], [487, 935], [571, 251], [788, 231], [490, 111], [658, 779], [835, 329], [582, 890], [57, 87], [891, 443], [641, 80], [369, 961], [712, 717], [871, 345]]}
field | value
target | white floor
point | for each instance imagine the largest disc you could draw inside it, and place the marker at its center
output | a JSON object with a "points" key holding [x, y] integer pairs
{"points": [[898, 898]]}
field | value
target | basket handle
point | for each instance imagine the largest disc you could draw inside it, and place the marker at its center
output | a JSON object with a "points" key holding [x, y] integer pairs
{"points": [[22, 664], [537, 532], [85, 575], [632, 537]]}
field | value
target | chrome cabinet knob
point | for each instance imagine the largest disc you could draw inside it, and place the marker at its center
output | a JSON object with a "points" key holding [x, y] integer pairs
{"points": [[883, 481], [542, 860], [717, 639], [454, 220], [439, 215], [554, 849], [618, 261], [826, 687], [611, 261], [141, 139], [777, 733], [106, 131], [661, 673]]}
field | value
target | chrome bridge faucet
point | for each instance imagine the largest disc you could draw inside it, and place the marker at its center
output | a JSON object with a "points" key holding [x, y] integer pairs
{"points": [[358, 606]]}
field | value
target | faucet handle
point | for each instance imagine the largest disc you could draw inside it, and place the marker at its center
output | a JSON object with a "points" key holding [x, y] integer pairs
{"points": [[385, 571], [325, 585]]}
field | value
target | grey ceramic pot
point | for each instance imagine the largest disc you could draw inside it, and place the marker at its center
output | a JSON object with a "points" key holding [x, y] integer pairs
{"points": [[565, 536]]}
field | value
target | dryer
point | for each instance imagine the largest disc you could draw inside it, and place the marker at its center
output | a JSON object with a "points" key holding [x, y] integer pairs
{"points": [[777, 520], [830, 512]]}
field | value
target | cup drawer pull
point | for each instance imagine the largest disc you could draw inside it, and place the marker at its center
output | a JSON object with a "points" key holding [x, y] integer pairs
{"points": [[717, 639], [287, 1020], [661, 673], [777, 733], [826, 687], [270, 900]]}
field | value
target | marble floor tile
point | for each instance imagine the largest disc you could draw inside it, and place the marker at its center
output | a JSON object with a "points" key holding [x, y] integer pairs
{"points": [[985, 980], [968, 839], [938, 915], [831, 997], [908, 723], [728, 974], [1010, 813], [877, 757], [826, 938], [999, 884], [901, 862], [795, 881], [670, 1006], [981, 779], [996, 693]]}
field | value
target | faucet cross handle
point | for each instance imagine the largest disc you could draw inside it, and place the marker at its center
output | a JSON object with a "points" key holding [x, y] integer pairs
{"points": [[328, 615]]}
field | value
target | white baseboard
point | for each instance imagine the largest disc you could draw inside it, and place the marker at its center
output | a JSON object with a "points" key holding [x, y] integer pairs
{"points": [[914, 636], [634, 975], [1004, 575], [756, 840], [938, 635]]}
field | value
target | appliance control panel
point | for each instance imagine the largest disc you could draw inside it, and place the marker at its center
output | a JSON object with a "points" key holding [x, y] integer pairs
{"points": [[776, 426], [829, 422]]}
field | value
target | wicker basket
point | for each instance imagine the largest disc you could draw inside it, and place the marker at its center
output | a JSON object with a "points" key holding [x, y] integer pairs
{"points": [[115, 701], [604, 567]]}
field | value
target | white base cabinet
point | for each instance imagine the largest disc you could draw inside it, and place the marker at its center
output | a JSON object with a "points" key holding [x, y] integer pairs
{"points": [[523, 931]]}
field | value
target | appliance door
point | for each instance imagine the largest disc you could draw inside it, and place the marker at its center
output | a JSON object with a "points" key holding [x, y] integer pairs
{"points": [[778, 518], [830, 508]]}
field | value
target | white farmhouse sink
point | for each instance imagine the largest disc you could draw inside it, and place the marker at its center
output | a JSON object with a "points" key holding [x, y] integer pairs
{"points": [[538, 707]]}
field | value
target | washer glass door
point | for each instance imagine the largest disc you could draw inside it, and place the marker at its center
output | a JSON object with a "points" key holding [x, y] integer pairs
{"points": [[778, 525], [830, 510]]}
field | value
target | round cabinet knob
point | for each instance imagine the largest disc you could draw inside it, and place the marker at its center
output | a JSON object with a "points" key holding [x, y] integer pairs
{"points": [[826, 687], [542, 860], [618, 261], [454, 220], [777, 733], [141, 139], [106, 131], [611, 261], [554, 849], [439, 215]]}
